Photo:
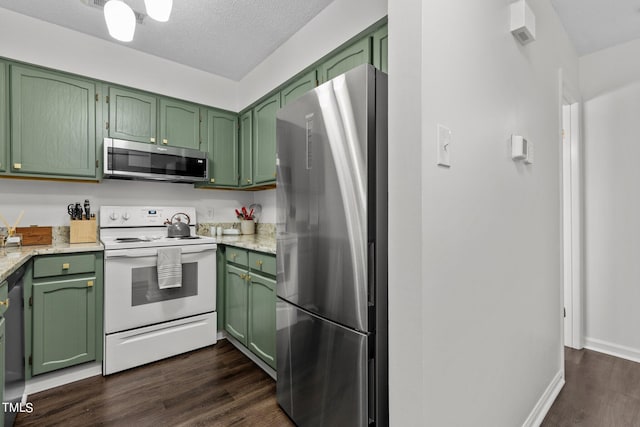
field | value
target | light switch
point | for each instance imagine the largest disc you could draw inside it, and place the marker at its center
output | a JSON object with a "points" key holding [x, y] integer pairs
{"points": [[444, 146]]}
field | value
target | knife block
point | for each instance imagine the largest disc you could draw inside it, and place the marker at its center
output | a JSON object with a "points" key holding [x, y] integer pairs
{"points": [[83, 231]]}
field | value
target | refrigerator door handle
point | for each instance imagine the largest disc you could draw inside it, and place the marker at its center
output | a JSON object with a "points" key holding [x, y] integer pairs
{"points": [[371, 276]]}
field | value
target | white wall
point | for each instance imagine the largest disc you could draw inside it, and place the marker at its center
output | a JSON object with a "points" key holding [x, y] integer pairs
{"points": [[337, 23], [486, 266], [45, 202], [31, 40], [610, 84]]}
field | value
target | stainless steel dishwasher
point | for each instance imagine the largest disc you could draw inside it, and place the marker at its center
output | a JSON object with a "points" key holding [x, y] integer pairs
{"points": [[14, 349]]}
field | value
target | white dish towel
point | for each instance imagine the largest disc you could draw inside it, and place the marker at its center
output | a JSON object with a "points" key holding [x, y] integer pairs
{"points": [[169, 268]]}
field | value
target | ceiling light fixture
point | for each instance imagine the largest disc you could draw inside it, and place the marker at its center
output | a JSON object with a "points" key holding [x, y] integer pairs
{"points": [[160, 10], [121, 21]]}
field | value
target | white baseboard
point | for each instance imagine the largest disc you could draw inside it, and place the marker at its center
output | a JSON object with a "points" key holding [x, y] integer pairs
{"points": [[222, 335], [56, 379], [612, 349], [546, 400]]}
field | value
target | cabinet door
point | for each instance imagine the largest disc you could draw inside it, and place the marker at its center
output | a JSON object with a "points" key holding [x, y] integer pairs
{"points": [[132, 115], [179, 124], [298, 87], [350, 57], [262, 318], [4, 131], [222, 142], [381, 49], [53, 124], [235, 307], [264, 140], [246, 152], [64, 324]]}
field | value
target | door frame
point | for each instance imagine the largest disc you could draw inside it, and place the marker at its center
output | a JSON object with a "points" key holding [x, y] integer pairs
{"points": [[572, 217]]}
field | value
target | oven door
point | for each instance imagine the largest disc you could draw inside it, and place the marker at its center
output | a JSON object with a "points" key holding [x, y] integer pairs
{"points": [[133, 299]]}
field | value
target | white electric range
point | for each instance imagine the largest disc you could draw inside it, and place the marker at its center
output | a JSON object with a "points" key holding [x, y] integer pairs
{"points": [[144, 323]]}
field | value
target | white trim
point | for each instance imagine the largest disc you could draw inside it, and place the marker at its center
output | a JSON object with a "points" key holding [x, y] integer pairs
{"points": [[612, 349], [255, 359], [539, 411], [572, 285], [58, 378]]}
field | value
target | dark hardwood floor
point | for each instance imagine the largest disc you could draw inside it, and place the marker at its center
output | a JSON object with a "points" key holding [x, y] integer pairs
{"points": [[219, 386], [600, 391], [215, 386]]}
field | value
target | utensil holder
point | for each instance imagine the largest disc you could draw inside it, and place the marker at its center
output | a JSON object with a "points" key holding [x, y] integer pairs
{"points": [[247, 226]]}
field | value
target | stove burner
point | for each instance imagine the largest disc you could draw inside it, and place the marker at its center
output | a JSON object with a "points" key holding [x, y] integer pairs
{"points": [[183, 237]]}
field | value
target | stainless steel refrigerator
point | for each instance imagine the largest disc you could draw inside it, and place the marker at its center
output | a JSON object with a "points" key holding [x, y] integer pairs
{"points": [[331, 345]]}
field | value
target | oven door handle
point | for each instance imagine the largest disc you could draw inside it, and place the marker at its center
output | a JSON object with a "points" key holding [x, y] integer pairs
{"points": [[152, 252]]}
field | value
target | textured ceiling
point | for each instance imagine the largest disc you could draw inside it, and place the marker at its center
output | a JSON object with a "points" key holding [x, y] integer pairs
{"points": [[598, 24], [225, 37]]}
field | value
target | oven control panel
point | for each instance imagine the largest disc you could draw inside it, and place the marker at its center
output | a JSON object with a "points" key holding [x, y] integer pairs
{"points": [[144, 216]]}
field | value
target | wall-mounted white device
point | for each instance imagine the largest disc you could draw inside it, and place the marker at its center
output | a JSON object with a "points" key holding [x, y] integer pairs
{"points": [[519, 147], [523, 22]]}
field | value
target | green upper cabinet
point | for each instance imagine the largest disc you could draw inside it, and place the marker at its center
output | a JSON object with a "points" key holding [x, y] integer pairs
{"points": [[262, 318], [381, 49], [64, 323], [222, 143], [53, 124], [179, 124], [264, 140], [302, 85], [356, 54], [246, 152], [132, 115], [4, 131]]}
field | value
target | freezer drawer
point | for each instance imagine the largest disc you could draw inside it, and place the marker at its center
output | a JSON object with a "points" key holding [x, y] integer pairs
{"points": [[322, 370]]}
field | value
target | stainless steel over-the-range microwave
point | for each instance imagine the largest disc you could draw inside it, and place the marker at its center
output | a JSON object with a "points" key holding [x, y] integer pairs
{"points": [[139, 160]]}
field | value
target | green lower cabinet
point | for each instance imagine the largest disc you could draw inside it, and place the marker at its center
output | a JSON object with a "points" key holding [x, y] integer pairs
{"points": [[264, 140], [381, 49], [2, 345], [348, 58], [179, 124], [299, 87], [235, 307], [53, 124], [262, 318], [222, 143], [64, 323], [132, 115]]}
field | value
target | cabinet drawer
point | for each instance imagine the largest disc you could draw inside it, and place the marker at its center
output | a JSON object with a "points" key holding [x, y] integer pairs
{"points": [[237, 256], [63, 265], [262, 262], [4, 297]]}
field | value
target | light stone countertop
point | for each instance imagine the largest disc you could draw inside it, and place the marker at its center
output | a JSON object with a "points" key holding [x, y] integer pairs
{"points": [[13, 258], [255, 242]]}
